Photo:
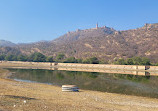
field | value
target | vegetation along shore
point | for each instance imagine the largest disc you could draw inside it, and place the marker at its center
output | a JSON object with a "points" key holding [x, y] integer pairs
{"points": [[39, 57]]}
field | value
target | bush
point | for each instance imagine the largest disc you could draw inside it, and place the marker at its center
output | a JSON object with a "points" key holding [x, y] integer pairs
{"points": [[134, 61], [70, 60], [129, 61], [22, 58], [11, 57], [37, 57], [2, 57], [49, 59], [92, 60], [120, 62], [60, 57]]}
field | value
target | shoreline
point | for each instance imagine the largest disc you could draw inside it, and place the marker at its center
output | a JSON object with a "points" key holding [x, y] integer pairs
{"points": [[102, 68], [52, 65], [40, 96]]}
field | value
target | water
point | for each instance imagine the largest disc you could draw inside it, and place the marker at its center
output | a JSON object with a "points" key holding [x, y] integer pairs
{"points": [[113, 83]]}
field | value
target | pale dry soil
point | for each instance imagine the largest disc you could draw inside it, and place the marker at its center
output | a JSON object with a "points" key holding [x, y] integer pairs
{"points": [[22, 96]]}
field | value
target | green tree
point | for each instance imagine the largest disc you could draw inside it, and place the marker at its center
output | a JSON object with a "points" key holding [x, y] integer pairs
{"points": [[2, 57], [137, 60], [49, 59], [93, 60], [22, 58], [86, 61], [79, 60], [30, 58], [70, 60], [37, 57], [60, 57], [103, 62], [11, 57], [145, 61], [129, 61], [121, 62]]}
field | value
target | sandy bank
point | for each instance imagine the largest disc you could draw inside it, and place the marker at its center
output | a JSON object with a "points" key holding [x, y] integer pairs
{"points": [[23, 96]]}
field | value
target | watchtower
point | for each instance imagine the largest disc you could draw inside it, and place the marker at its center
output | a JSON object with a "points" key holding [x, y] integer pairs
{"points": [[97, 26]]}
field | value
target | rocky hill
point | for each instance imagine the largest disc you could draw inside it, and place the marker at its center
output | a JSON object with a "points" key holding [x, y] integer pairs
{"points": [[9, 50], [6, 43], [105, 43]]}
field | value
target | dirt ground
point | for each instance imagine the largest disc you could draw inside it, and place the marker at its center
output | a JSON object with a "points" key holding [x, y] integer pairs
{"points": [[22, 96]]}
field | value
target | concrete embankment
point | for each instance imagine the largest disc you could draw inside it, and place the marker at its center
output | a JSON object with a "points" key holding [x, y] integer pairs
{"points": [[74, 65], [102, 66], [106, 68], [33, 65]]}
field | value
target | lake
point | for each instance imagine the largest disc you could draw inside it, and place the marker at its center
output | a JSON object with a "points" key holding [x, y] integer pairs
{"points": [[104, 82]]}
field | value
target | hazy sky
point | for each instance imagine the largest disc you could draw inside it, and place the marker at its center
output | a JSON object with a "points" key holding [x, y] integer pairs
{"points": [[35, 20]]}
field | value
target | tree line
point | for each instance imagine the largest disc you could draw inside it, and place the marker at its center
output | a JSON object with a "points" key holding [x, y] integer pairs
{"points": [[39, 57], [134, 61]]}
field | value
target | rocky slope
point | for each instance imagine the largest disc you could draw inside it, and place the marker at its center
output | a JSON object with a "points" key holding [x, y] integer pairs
{"points": [[103, 42]]}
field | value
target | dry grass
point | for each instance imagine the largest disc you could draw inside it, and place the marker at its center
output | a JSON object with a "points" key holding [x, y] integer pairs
{"points": [[21, 96]]}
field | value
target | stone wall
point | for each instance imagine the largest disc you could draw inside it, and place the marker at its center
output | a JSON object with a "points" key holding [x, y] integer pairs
{"points": [[79, 66], [102, 66], [104, 71], [27, 64], [153, 68]]}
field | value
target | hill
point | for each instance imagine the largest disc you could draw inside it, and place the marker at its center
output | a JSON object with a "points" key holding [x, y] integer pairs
{"points": [[9, 50], [6, 43], [103, 42]]}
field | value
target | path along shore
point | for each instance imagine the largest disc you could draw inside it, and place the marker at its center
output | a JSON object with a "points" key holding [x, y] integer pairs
{"points": [[22, 96]]}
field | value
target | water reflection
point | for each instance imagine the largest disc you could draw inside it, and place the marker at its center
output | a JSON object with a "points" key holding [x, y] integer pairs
{"points": [[115, 83]]}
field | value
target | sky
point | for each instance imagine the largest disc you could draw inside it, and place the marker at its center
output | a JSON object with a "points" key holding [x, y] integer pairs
{"points": [[25, 21]]}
